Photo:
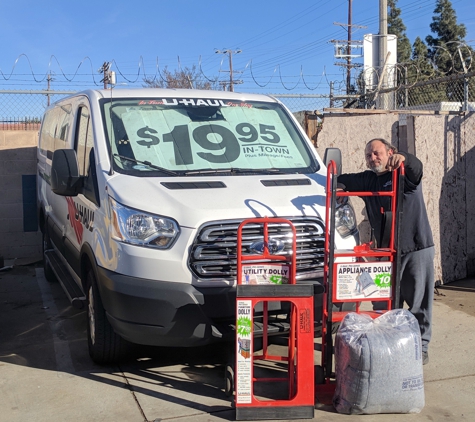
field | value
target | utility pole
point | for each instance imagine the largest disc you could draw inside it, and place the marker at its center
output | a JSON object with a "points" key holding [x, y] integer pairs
{"points": [[49, 79], [232, 82], [109, 76], [343, 48], [348, 52]]}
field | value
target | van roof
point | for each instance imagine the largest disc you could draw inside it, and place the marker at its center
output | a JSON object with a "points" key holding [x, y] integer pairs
{"points": [[172, 93]]}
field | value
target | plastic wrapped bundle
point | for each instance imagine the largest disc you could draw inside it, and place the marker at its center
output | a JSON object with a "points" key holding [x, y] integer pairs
{"points": [[379, 364]]}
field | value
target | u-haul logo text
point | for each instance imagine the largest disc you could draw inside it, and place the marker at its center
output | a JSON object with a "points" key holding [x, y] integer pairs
{"points": [[79, 217]]}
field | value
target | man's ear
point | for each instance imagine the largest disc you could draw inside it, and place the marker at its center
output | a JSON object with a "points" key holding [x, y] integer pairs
{"points": [[390, 152]]}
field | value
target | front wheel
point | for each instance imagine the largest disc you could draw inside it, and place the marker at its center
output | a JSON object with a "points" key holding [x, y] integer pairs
{"points": [[229, 380], [105, 345]]}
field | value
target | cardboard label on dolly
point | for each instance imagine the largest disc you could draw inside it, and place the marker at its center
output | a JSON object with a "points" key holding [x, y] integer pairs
{"points": [[265, 274], [363, 280], [244, 351]]}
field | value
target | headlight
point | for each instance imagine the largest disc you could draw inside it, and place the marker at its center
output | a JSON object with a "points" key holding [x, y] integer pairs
{"points": [[141, 228], [345, 220]]}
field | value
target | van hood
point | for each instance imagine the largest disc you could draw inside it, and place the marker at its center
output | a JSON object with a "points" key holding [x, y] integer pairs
{"points": [[192, 201]]}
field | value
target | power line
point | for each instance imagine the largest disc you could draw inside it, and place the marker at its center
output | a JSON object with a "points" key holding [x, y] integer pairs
{"points": [[284, 23]]}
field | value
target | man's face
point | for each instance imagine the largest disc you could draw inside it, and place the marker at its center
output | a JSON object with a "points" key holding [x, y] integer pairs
{"points": [[377, 156]]}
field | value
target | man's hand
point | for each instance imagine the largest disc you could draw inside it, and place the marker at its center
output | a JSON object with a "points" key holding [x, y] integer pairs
{"points": [[394, 162], [341, 200]]}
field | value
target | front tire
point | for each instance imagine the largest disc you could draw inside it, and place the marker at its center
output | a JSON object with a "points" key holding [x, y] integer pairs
{"points": [[229, 380], [105, 345]]}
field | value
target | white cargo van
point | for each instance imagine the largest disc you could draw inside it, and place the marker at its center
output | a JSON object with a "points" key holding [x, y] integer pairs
{"points": [[140, 194]]}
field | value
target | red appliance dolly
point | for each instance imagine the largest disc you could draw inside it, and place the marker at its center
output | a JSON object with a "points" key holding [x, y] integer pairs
{"points": [[252, 291], [341, 265]]}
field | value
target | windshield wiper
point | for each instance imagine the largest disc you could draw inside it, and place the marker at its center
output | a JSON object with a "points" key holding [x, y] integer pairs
{"points": [[148, 164], [235, 170], [271, 170]]}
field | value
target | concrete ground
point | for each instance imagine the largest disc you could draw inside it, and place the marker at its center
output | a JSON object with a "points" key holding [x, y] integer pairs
{"points": [[46, 373]]}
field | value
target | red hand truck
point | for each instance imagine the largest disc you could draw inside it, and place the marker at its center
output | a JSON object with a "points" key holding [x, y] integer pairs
{"points": [[256, 288], [344, 269]]}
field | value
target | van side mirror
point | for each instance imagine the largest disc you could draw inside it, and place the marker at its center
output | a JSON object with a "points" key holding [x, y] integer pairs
{"points": [[65, 178], [335, 155]]}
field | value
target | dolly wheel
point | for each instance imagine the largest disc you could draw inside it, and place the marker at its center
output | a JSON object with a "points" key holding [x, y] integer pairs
{"points": [[229, 380], [319, 375]]}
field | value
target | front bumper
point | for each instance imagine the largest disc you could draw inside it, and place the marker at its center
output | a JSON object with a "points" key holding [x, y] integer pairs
{"points": [[169, 314], [160, 313]]}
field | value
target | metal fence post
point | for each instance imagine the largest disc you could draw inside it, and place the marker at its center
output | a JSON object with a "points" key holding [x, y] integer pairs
{"points": [[365, 101], [406, 92], [331, 94], [465, 93]]}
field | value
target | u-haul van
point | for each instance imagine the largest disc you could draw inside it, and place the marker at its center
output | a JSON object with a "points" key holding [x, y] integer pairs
{"points": [[140, 195]]}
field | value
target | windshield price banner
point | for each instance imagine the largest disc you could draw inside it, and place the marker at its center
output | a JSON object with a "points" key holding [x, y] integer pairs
{"points": [[188, 138], [365, 280]]}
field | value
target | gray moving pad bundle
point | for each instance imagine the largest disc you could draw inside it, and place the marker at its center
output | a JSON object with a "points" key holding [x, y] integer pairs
{"points": [[379, 364]]}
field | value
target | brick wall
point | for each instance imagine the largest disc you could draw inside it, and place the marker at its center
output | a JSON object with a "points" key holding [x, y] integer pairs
{"points": [[19, 236]]}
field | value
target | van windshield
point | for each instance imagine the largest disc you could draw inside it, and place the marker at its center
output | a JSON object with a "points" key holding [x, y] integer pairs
{"points": [[183, 136]]}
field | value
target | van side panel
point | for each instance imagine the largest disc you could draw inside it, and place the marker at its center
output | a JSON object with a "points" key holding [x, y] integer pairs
{"points": [[54, 134]]}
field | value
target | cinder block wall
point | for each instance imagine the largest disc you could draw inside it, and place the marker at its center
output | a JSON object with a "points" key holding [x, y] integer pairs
{"points": [[19, 235], [446, 146], [350, 133]]}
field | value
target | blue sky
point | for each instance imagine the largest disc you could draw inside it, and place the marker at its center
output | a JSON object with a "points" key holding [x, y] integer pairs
{"points": [[285, 44]]}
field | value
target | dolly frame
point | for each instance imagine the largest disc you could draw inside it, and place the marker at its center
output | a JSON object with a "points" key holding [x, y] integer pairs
{"points": [[359, 253], [299, 359]]}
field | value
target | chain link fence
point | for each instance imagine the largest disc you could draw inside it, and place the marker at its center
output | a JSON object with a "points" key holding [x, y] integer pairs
{"points": [[24, 109], [304, 102], [450, 93], [28, 105]]}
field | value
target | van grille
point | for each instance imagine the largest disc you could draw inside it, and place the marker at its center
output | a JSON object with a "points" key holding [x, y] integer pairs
{"points": [[213, 254]]}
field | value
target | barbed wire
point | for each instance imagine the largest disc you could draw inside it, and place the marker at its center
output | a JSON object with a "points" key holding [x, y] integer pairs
{"points": [[458, 61], [313, 89], [282, 82], [123, 75], [142, 74], [49, 66], [402, 75], [213, 81], [254, 79]]}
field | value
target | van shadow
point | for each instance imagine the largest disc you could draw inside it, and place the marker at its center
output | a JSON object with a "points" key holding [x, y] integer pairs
{"points": [[41, 330], [188, 378]]}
